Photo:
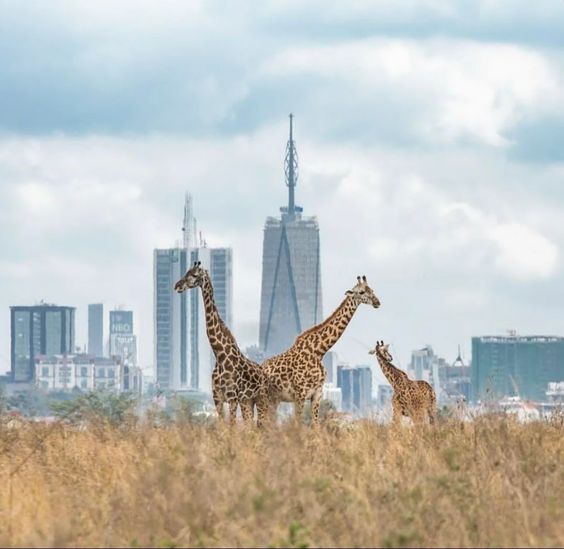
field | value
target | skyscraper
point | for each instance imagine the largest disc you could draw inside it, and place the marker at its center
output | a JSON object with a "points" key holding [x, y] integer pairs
{"points": [[219, 263], [96, 329], [171, 316], [39, 330], [291, 271]]}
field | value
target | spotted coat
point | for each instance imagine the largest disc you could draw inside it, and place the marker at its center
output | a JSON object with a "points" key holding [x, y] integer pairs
{"points": [[297, 375], [411, 398], [236, 380]]}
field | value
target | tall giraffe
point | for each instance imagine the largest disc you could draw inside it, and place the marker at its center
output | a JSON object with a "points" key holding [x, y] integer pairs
{"points": [[235, 378], [414, 399], [297, 374]]}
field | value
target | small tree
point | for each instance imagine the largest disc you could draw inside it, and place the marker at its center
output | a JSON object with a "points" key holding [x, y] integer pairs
{"points": [[97, 407]]}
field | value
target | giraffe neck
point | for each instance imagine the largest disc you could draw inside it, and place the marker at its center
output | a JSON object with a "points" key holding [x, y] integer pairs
{"points": [[394, 375], [219, 334], [322, 337]]}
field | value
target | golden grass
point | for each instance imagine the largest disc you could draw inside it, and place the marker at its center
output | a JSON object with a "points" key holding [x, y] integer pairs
{"points": [[493, 482]]}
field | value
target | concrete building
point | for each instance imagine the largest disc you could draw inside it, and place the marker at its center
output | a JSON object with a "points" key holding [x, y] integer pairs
{"points": [[96, 329], [291, 272], [39, 330], [506, 366], [87, 373], [219, 263]]}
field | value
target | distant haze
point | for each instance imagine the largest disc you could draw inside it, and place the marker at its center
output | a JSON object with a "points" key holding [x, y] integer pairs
{"points": [[430, 139]]}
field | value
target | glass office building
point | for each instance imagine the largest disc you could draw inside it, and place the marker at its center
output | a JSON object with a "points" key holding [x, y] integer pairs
{"points": [[39, 330]]}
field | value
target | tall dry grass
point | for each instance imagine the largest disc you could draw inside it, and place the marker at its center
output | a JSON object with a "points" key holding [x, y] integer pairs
{"points": [[493, 482]]}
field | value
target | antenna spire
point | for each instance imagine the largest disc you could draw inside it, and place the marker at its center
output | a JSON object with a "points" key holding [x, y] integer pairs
{"points": [[291, 169]]}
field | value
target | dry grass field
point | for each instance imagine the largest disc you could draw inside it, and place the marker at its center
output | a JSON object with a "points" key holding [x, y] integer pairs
{"points": [[492, 482]]}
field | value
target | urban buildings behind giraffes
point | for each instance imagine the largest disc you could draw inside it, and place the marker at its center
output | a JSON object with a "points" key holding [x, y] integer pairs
{"points": [[182, 356], [291, 273]]}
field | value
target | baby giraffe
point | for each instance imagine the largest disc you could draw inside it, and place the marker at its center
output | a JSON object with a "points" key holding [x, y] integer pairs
{"points": [[414, 399]]}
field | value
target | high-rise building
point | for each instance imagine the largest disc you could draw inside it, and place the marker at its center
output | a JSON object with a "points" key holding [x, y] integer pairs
{"points": [[219, 263], [39, 330], [356, 388], [291, 271], [123, 342], [171, 310], [515, 366], [96, 329], [171, 319]]}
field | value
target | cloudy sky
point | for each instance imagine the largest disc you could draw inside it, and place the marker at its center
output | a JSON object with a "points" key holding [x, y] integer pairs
{"points": [[430, 136]]}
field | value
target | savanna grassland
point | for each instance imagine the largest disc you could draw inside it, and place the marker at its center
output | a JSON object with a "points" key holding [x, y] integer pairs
{"points": [[492, 482]]}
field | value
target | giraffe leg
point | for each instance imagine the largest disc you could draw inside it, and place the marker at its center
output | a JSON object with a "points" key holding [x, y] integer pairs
{"points": [[218, 401], [273, 411], [299, 404], [397, 413], [247, 411], [315, 402], [232, 412], [432, 413]]}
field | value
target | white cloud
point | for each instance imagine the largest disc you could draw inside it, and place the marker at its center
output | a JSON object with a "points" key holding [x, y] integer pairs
{"points": [[523, 252], [465, 90]]}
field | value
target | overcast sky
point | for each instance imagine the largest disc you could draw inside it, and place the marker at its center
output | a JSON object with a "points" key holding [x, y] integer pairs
{"points": [[430, 137]]}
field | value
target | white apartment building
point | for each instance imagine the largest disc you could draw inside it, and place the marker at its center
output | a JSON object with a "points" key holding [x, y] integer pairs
{"points": [[87, 373]]}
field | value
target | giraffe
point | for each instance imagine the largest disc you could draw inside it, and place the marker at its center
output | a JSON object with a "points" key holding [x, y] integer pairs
{"points": [[297, 374], [236, 379], [414, 399]]}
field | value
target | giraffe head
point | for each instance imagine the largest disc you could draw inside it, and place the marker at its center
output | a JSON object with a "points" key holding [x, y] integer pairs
{"points": [[382, 351], [363, 293], [193, 277]]}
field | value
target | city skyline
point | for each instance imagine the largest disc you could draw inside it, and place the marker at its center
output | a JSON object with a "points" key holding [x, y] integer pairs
{"points": [[448, 199]]}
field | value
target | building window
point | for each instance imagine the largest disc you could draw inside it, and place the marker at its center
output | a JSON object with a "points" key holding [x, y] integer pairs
{"points": [[45, 371], [101, 372], [84, 384], [111, 373], [84, 371]]}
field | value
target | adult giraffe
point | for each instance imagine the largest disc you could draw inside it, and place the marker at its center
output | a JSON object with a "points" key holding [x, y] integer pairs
{"points": [[235, 378], [297, 374]]}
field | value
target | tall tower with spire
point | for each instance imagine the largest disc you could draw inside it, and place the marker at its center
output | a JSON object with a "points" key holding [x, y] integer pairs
{"points": [[291, 269]]}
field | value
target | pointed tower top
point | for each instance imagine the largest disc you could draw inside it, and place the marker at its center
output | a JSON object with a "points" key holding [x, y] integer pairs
{"points": [[291, 170], [189, 223]]}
